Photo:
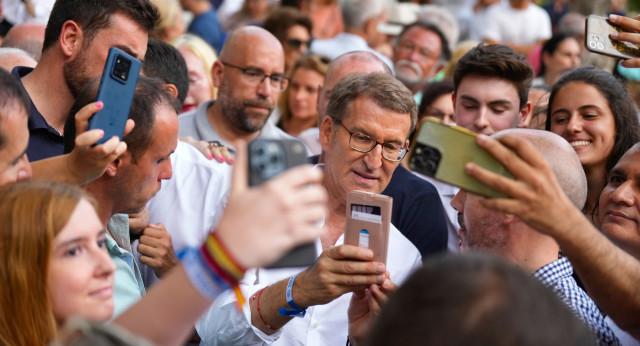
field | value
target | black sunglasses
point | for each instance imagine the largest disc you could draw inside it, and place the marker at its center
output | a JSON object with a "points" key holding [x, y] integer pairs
{"points": [[295, 43]]}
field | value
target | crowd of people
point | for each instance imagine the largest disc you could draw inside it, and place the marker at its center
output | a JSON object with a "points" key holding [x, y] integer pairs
{"points": [[156, 237]]}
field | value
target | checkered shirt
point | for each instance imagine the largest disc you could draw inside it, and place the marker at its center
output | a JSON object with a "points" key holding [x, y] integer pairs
{"points": [[557, 276]]}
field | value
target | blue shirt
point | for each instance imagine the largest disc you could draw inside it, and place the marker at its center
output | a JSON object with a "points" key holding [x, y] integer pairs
{"points": [[417, 211], [557, 276], [207, 26], [44, 140], [129, 287]]}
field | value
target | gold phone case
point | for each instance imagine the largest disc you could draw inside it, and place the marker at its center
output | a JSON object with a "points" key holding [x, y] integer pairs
{"points": [[441, 151], [597, 40]]}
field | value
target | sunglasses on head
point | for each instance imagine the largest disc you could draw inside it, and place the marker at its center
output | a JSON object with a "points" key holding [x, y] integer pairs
{"points": [[296, 43]]}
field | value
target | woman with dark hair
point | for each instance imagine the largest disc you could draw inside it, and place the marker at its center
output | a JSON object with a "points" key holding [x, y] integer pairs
{"points": [[437, 102], [591, 109], [560, 54], [293, 29]]}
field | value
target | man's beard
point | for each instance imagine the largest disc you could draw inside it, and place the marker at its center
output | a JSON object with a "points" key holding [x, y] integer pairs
{"points": [[75, 74], [411, 81], [235, 113]]}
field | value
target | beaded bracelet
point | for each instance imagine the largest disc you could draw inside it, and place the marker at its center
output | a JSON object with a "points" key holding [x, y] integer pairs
{"points": [[258, 308]]}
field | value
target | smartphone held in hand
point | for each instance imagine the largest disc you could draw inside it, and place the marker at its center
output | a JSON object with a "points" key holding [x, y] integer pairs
{"points": [[441, 151], [597, 39], [368, 222], [267, 159], [117, 87]]}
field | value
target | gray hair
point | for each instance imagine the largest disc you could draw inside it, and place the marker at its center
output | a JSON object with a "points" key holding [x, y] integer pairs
{"points": [[386, 91], [355, 13], [442, 18]]}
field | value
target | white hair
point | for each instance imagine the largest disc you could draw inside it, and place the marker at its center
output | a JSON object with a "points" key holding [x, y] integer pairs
{"points": [[444, 20], [355, 13]]}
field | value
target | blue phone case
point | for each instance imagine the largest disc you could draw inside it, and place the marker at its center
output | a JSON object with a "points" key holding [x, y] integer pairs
{"points": [[117, 86]]}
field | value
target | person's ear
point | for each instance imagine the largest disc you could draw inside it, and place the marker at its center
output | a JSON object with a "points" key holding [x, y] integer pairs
{"points": [[71, 38], [217, 73], [171, 89], [326, 131], [117, 164], [112, 168], [525, 116], [453, 99]]}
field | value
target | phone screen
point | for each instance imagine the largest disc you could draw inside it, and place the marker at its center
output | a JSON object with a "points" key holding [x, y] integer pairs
{"points": [[368, 213]]}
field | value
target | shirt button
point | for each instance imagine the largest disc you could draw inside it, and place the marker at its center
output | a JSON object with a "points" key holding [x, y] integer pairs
{"points": [[315, 325]]}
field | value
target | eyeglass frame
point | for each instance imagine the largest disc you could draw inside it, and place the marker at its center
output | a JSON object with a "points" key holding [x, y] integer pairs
{"points": [[403, 147], [424, 52], [284, 82]]}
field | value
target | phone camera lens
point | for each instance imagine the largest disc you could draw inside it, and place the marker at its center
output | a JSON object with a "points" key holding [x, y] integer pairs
{"points": [[121, 68]]}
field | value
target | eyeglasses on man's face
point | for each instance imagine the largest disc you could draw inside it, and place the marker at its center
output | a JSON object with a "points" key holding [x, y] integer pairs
{"points": [[364, 144], [407, 47], [256, 76]]}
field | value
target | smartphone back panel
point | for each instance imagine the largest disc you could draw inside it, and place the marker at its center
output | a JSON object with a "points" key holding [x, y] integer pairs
{"points": [[270, 157], [117, 87], [597, 40], [441, 151], [267, 159], [368, 222]]}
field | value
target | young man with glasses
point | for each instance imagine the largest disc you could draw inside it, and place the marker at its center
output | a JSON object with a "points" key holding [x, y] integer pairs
{"points": [[364, 136], [249, 76]]}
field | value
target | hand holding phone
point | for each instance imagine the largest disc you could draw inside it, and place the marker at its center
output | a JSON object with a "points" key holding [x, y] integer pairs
{"points": [[368, 222], [88, 158], [441, 151], [598, 32], [117, 87]]}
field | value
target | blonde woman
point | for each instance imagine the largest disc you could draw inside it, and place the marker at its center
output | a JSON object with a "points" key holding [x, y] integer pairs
{"points": [[170, 26], [199, 57], [298, 102]]}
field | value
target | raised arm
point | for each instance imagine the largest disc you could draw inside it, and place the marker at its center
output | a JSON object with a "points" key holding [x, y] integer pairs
{"points": [[87, 161], [259, 225], [632, 24], [611, 275]]}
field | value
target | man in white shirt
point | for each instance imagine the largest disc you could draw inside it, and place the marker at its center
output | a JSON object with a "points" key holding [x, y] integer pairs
{"points": [[364, 111], [519, 24]]}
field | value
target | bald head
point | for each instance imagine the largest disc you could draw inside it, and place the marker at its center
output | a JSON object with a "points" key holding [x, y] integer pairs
{"points": [[344, 65], [26, 36], [249, 41], [246, 96], [12, 57], [562, 159]]}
